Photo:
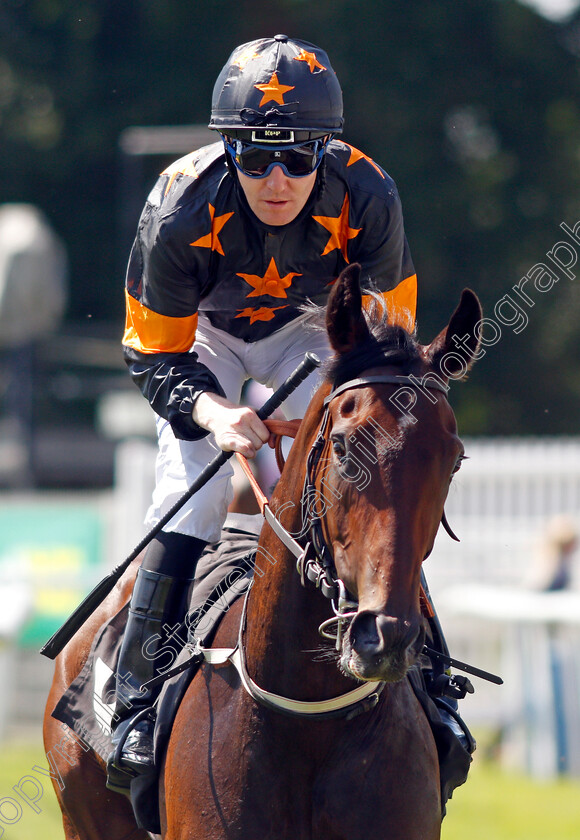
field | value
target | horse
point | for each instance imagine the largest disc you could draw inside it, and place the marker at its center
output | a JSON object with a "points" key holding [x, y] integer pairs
{"points": [[288, 737]]}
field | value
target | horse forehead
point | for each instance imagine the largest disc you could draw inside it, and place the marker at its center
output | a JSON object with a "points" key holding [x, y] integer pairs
{"points": [[394, 401], [402, 415]]}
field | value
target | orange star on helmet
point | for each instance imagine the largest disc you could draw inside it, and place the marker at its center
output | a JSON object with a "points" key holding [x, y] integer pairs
{"points": [[244, 57], [310, 59], [273, 91]]}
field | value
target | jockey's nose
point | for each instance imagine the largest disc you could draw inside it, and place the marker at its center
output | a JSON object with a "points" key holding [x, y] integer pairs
{"points": [[277, 177]]}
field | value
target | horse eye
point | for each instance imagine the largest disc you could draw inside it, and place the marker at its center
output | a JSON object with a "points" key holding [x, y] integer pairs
{"points": [[339, 447], [457, 466]]}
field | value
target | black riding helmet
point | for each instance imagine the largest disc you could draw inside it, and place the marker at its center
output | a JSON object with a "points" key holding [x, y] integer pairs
{"points": [[277, 90]]}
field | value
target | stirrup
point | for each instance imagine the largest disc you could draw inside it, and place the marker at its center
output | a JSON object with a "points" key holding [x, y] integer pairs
{"points": [[116, 760], [117, 780], [455, 722]]}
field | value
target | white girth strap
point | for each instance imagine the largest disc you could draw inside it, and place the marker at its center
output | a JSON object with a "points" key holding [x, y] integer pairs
{"points": [[219, 656]]}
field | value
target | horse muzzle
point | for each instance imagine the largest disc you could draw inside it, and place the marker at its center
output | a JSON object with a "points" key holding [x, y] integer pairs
{"points": [[381, 647]]}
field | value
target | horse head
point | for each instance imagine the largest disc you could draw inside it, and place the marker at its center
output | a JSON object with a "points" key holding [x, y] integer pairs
{"points": [[384, 468]]}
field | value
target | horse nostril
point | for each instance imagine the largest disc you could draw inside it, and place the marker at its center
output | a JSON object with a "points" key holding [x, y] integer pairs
{"points": [[364, 634], [373, 633]]}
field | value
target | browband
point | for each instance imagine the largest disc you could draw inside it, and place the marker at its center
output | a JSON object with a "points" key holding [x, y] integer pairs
{"points": [[389, 379]]}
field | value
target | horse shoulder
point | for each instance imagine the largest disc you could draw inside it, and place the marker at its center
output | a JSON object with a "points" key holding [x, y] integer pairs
{"points": [[205, 751]]}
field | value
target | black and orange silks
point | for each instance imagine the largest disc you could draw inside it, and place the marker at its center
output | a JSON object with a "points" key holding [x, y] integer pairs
{"points": [[200, 249]]}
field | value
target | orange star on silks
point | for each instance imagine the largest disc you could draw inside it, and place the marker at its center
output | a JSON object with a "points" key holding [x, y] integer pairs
{"points": [[261, 314], [210, 240], [340, 232], [310, 59], [356, 155], [183, 166], [271, 283], [273, 91]]}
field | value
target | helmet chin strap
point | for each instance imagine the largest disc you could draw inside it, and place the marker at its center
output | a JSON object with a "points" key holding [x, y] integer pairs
{"points": [[232, 170], [320, 184]]}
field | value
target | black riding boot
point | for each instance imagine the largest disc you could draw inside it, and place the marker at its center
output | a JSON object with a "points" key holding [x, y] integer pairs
{"points": [[158, 603], [151, 641]]}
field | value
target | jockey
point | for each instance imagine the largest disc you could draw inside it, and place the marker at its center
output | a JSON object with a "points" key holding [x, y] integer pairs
{"points": [[233, 240]]}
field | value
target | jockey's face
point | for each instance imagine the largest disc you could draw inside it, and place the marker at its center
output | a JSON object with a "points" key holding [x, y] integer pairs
{"points": [[277, 199]]}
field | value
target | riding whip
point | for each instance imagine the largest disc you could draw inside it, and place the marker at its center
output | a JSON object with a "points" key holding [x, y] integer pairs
{"points": [[86, 608]]}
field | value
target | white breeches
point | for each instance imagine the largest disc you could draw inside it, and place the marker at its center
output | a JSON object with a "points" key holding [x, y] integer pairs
{"points": [[233, 361]]}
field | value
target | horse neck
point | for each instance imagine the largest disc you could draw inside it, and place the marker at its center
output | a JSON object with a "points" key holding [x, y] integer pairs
{"points": [[283, 616]]}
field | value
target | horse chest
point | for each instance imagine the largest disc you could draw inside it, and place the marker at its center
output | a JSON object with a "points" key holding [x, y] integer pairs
{"points": [[294, 780]]}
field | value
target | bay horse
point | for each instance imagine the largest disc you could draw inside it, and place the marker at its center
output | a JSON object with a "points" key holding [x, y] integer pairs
{"points": [[364, 485]]}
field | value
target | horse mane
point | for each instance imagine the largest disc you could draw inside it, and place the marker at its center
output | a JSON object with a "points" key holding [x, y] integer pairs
{"points": [[387, 344]]}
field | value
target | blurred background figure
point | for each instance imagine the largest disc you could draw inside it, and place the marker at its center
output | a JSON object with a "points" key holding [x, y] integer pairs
{"points": [[554, 562], [33, 296]]}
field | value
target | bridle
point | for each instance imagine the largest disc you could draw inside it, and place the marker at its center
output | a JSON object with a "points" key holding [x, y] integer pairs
{"points": [[316, 562]]}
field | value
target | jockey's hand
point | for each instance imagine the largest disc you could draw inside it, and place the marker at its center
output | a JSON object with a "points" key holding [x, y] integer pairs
{"points": [[235, 427]]}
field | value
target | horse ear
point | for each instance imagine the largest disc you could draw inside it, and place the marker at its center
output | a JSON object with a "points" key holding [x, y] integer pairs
{"points": [[456, 347], [345, 322]]}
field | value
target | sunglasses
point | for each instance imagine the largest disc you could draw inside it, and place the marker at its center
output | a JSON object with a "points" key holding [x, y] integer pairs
{"points": [[257, 161]]}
